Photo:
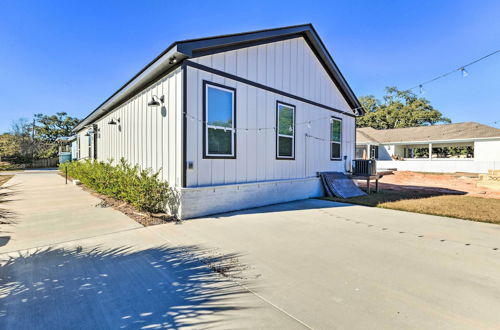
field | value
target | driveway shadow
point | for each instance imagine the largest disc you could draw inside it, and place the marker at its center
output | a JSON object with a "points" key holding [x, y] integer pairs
{"points": [[304, 204], [7, 216], [95, 288]]}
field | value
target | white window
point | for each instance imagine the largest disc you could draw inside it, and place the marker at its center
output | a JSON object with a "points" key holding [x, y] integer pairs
{"points": [[335, 138], [285, 131], [219, 121]]}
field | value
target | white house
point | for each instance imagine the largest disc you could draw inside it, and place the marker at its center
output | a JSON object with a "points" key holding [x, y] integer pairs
{"points": [[233, 121], [463, 147]]}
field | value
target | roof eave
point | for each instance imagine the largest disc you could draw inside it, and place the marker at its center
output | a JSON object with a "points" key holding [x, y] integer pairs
{"points": [[188, 48], [195, 47], [148, 74]]}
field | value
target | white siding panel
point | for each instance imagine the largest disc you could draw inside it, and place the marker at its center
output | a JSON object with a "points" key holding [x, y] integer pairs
{"points": [[256, 151], [251, 149], [290, 65], [260, 138], [145, 136], [241, 121]]}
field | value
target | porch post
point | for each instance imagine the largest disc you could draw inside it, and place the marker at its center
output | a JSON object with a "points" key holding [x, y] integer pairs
{"points": [[369, 151], [430, 151]]}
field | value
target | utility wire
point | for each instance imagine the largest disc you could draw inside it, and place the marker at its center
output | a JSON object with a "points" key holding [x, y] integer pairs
{"points": [[460, 69]]}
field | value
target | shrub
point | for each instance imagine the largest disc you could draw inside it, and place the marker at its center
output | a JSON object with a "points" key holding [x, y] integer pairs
{"points": [[141, 188]]}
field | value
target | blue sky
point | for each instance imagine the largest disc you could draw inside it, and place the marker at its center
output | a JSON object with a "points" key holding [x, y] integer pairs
{"points": [[71, 55]]}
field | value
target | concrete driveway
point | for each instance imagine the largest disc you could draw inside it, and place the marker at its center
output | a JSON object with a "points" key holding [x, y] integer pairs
{"points": [[307, 264], [333, 265], [67, 264]]}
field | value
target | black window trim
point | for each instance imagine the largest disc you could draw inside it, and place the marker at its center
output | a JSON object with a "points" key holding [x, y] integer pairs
{"points": [[341, 139], [206, 155], [278, 157]]}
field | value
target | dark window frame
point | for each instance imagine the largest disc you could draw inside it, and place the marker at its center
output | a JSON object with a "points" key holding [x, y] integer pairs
{"points": [[206, 155], [336, 142], [278, 157]]}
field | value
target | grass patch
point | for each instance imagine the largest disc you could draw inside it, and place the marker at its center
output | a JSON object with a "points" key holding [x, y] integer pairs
{"points": [[4, 178], [455, 206]]}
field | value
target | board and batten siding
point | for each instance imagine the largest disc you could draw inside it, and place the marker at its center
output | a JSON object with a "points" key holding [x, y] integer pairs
{"points": [[289, 66], [146, 136], [82, 141]]}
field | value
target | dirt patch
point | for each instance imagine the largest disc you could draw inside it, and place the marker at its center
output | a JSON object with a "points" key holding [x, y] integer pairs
{"points": [[453, 195], [144, 218], [457, 183]]}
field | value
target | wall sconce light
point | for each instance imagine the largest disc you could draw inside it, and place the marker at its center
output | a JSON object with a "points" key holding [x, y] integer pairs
{"points": [[172, 60], [155, 101], [113, 122], [91, 129]]}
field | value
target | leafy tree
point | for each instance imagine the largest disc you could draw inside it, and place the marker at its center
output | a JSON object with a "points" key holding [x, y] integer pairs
{"points": [[21, 131], [398, 109], [9, 145], [49, 128], [29, 140]]}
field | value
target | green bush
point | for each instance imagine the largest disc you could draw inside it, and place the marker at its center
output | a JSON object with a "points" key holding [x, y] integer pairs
{"points": [[141, 188]]}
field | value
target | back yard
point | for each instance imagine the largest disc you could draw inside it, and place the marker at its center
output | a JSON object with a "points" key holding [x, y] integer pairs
{"points": [[451, 195]]}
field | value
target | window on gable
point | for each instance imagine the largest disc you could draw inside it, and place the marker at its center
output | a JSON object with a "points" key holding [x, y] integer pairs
{"points": [[219, 118], [285, 131], [335, 138]]}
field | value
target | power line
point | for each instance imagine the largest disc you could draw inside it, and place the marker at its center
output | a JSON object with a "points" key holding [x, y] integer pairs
{"points": [[459, 69]]}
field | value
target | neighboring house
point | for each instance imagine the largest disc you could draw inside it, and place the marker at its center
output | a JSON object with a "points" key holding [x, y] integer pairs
{"points": [[232, 121], [463, 147]]}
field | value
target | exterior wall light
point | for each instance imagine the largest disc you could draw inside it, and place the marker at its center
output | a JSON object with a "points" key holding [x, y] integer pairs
{"points": [[172, 60], [113, 122], [155, 101]]}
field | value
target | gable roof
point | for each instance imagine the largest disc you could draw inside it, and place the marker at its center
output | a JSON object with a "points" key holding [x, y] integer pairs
{"points": [[178, 51], [459, 131]]}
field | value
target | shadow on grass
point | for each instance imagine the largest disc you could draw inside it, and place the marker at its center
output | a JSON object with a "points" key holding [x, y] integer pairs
{"points": [[394, 193], [94, 288]]}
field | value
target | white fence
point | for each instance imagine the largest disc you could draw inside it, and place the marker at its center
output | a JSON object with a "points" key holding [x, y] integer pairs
{"points": [[440, 165]]}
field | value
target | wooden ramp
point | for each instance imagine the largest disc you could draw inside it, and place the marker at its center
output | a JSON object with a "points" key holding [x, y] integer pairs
{"points": [[339, 185]]}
